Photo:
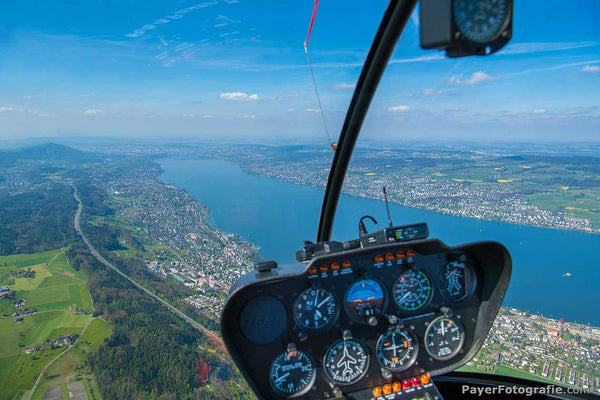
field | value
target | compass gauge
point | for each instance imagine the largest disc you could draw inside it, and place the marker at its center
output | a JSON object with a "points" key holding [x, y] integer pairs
{"points": [[482, 20], [346, 361]]}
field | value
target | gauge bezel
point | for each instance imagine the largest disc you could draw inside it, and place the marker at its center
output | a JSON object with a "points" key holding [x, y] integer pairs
{"points": [[446, 296], [460, 345], [413, 357], [303, 390], [356, 318], [362, 374], [429, 298], [326, 326], [501, 28]]}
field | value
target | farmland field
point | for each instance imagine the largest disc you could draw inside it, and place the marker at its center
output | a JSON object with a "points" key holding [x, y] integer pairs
{"points": [[52, 291]]}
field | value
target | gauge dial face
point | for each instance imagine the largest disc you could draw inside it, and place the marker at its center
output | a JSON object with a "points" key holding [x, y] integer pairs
{"points": [[444, 338], [397, 349], [346, 361], [480, 20], [364, 299], [412, 290], [292, 373], [315, 310], [457, 281]]}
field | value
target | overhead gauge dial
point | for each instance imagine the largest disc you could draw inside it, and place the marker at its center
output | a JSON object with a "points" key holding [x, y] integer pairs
{"points": [[412, 290], [480, 20], [346, 361], [315, 310], [292, 373], [444, 338], [397, 349]]}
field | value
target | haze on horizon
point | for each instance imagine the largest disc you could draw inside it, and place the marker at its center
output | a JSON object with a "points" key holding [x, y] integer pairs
{"points": [[235, 69]]}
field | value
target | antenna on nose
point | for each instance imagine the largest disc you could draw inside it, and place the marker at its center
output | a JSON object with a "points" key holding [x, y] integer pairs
{"points": [[387, 207]]}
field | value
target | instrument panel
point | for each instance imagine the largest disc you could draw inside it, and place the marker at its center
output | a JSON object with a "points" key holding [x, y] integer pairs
{"points": [[364, 323]]}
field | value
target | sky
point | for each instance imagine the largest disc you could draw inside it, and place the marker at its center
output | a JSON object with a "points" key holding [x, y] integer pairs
{"points": [[236, 70]]}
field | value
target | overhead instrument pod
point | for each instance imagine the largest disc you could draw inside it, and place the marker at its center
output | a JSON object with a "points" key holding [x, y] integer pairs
{"points": [[465, 27]]}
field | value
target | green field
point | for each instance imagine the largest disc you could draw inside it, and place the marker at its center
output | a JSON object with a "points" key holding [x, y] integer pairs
{"points": [[62, 372], [54, 289]]}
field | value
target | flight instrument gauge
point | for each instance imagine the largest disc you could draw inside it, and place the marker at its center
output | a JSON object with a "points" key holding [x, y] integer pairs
{"points": [[444, 338], [457, 281], [365, 299], [315, 310], [412, 290], [397, 349], [346, 361], [480, 21], [292, 373]]}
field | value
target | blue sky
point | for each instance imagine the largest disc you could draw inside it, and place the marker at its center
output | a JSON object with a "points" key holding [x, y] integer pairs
{"points": [[236, 69]]}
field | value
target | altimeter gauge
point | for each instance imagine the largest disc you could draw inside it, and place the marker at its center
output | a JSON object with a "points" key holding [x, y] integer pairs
{"points": [[315, 310], [346, 361], [444, 338], [412, 290], [397, 349], [292, 373]]}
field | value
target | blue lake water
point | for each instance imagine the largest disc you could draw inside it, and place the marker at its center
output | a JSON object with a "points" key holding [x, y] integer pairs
{"points": [[279, 216]]}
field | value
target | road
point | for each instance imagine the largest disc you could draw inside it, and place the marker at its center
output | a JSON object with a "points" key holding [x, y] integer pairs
{"points": [[99, 257]]}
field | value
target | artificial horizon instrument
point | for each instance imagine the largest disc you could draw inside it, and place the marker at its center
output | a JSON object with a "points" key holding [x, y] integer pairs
{"points": [[393, 313]]}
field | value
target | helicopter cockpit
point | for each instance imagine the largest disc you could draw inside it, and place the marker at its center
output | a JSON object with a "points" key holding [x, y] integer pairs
{"points": [[390, 314]]}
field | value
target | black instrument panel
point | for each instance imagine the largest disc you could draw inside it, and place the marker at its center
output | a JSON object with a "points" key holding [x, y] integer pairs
{"points": [[378, 317]]}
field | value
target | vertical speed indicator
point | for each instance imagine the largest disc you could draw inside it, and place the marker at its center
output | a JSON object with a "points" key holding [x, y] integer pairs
{"points": [[292, 373]]}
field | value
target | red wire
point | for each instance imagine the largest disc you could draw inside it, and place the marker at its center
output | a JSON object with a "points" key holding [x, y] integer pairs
{"points": [[312, 20]]}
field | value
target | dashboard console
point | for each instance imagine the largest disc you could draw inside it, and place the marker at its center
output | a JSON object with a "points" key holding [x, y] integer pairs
{"points": [[369, 323]]}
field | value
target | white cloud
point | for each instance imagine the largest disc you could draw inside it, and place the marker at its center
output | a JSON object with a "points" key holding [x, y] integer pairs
{"points": [[7, 109], [45, 115], [477, 77], [305, 110], [539, 111], [251, 116], [591, 68], [431, 92], [239, 96], [206, 116], [539, 47], [344, 86], [399, 109], [189, 115], [93, 112]]}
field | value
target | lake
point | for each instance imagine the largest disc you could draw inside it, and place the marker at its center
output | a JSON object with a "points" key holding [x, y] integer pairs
{"points": [[278, 217]]}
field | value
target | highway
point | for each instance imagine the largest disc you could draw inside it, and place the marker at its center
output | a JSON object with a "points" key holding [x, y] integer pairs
{"points": [[99, 257]]}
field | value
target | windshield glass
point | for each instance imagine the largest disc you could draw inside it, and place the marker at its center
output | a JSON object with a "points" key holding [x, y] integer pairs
{"points": [[152, 152], [500, 148]]}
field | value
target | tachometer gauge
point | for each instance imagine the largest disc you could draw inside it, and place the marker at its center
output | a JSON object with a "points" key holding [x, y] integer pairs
{"points": [[292, 373], [444, 338], [397, 349], [457, 281], [346, 361], [412, 290], [365, 299], [315, 310], [480, 20]]}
